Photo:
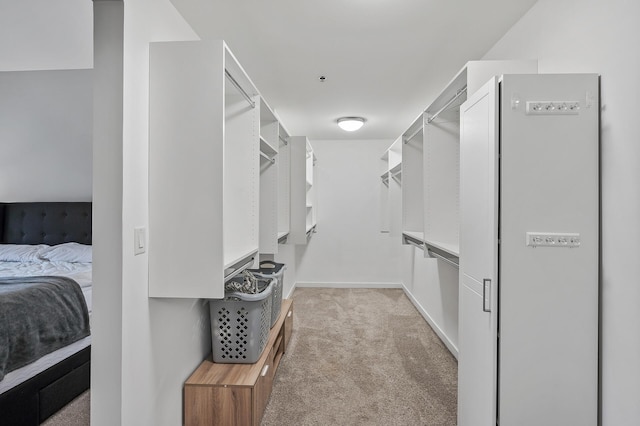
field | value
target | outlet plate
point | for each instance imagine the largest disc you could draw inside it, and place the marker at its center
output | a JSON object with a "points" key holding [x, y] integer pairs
{"points": [[553, 239]]}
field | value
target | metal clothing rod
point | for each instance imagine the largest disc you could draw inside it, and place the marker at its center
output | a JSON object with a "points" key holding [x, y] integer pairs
{"points": [[240, 89], [311, 231], [413, 135], [286, 142], [439, 256], [239, 269], [263, 155], [452, 100]]}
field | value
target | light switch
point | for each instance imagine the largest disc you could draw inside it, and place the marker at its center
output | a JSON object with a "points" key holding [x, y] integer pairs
{"points": [[139, 240]]}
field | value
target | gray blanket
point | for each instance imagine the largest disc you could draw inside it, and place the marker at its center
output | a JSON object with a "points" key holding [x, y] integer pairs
{"points": [[38, 315]]}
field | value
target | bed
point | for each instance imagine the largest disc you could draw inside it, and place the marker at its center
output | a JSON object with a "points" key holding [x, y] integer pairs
{"points": [[33, 392]]}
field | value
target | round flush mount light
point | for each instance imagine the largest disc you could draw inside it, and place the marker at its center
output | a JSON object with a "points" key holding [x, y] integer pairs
{"points": [[350, 124]]}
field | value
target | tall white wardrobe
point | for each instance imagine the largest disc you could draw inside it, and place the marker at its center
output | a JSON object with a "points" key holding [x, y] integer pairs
{"points": [[529, 252]]}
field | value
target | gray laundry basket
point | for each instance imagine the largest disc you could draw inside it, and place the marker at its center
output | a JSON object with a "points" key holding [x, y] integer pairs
{"points": [[240, 325], [272, 270]]}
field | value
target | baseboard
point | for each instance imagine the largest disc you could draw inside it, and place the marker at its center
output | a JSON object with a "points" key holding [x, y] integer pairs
{"points": [[441, 334], [346, 285], [290, 294]]}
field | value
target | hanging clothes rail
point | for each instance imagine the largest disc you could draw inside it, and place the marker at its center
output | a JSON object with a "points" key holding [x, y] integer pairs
{"points": [[283, 140], [239, 267], [240, 89], [265, 156], [413, 135], [448, 104]]}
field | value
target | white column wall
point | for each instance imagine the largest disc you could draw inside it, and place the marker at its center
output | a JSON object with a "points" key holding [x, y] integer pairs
{"points": [[595, 36], [163, 340], [348, 249]]}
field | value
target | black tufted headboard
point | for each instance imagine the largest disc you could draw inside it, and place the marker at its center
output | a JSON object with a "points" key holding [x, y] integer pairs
{"points": [[45, 223]]}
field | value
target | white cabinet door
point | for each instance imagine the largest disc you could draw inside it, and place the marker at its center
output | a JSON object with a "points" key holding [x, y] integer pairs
{"points": [[478, 308]]}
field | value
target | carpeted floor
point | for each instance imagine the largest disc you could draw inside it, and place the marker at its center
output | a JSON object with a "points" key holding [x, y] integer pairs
{"points": [[76, 413], [356, 357], [362, 357]]}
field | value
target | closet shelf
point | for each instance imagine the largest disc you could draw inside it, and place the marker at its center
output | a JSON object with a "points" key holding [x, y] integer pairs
{"points": [[266, 148], [452, 250], [412, 237], [396, 172], [282, 237], [236, 266]]}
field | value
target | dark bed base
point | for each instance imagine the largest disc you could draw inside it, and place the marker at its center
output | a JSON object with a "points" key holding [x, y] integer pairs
{"points": [[32, 402]]}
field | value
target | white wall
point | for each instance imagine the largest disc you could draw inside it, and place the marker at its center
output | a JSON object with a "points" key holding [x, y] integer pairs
{"points": [[46, 35], [601, 37], [106, 318], [163, 341], [46, 134], [348, 248], [46, 156]]}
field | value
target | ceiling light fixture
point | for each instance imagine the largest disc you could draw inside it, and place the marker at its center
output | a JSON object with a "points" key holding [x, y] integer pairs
{"points": [[350, 124]]}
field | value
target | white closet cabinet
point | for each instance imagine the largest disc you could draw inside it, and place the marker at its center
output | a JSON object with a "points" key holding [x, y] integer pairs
{"points": [[284, 184], [391, 165], [204, 116], [269, 188], [528, 325], [413, 183], [303, 191]]}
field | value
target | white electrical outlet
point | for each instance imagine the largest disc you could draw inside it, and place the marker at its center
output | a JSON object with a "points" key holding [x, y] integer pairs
{"points": [[553, 239]]}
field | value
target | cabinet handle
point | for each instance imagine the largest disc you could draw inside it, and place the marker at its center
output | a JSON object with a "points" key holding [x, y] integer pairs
{"points": [[486, 295], [289, 314], [264, 370]]}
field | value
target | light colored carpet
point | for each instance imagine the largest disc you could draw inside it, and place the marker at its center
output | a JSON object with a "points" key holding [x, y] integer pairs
{"points": [[356, 357], [362, 357], [75, 413]]}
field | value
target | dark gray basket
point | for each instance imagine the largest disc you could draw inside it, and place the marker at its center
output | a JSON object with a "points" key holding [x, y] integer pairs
{"points": [[272, 270], [240, 325]]}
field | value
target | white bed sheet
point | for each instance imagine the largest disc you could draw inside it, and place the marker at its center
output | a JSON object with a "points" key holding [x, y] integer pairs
{"points": [[81, 273]]}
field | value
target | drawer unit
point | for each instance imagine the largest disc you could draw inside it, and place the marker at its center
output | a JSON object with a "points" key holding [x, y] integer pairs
{"points": [[237, 394]]}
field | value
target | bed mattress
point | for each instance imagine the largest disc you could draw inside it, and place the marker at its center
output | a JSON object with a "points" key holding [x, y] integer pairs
{"points": [[81, 273]]}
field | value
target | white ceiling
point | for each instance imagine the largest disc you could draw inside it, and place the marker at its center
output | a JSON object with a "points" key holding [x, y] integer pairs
{"points": [[384, 60]]}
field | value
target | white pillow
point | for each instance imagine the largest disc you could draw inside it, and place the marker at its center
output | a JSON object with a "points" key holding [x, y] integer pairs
{"points": [[21, 252], [68, 252]]}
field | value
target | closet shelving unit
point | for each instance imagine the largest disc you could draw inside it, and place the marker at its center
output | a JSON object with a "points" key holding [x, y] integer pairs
{"points": [[284, 182], [303, 191], [431, 162], [269, 187], [441, 171], [204, 168], [384, 193], [391, 165], [413, 184]]}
